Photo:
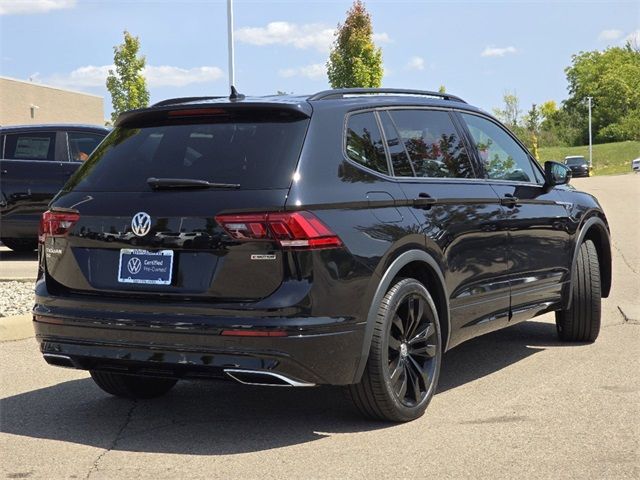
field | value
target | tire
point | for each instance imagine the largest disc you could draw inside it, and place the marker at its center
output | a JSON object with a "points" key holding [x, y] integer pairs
{"points": [[402, 370], [581, 322], [21, 245], [132, 386]]}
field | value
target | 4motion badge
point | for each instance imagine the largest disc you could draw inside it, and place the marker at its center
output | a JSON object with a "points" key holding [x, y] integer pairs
{"points": [[263, 257]]}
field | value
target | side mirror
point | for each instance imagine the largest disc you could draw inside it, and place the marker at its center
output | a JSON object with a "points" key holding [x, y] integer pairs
{"points": [[556, 173]]}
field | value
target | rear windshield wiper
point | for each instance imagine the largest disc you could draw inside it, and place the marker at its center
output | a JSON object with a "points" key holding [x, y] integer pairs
{"points": [[185, 183]]}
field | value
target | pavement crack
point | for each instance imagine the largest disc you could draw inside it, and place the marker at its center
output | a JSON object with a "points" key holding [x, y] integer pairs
{"points": [[624, 259], [626, 318], [125, 424], [624, 315]]}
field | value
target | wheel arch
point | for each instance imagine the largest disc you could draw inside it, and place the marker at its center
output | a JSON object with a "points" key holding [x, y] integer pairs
{"points": [[596, 230], [416, 264]]}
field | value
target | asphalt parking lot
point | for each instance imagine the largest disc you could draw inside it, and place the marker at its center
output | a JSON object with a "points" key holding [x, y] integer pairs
{"points": [[512, 404]]}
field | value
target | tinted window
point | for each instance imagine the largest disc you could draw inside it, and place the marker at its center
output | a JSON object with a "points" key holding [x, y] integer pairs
{"points": [[82, 144], [364, 142], [433, 144], [501, 155], [30, 146], [575, 161], [399, 158], [236, 148]]}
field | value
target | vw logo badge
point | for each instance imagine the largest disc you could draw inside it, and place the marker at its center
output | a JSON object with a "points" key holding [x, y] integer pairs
{"points": [[141, 224], [134, 265]]}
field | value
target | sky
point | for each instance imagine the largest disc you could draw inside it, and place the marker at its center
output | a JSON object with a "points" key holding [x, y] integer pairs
{"points": [[477, 49]]}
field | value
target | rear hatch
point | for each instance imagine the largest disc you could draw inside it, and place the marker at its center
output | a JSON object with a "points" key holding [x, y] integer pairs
{"points": [[138, 218]]}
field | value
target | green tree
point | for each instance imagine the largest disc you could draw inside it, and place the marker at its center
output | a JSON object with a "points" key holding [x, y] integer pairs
{"points": [[354, 60], [510, 113], [556, 127], [548, 109], [127, 85], [612, 78]]}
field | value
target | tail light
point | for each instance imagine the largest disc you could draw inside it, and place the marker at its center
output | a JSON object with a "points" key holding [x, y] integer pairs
{"points": [[300, 230], [56, 224]]}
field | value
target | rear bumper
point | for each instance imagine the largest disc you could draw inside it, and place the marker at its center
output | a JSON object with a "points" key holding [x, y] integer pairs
{"points": [[318, 350]]}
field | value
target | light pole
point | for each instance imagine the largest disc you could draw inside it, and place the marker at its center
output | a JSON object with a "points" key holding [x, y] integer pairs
{"points": [[232, 79], [590, 142]]}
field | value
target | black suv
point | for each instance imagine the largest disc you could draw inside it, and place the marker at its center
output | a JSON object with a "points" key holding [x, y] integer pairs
{"points": [[578, 165], [345, 238], [35, 162]]}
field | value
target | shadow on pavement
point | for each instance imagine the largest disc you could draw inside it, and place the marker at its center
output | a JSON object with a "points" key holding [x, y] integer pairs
{"points": [[11, 256], [218, 418], [487, 354]]}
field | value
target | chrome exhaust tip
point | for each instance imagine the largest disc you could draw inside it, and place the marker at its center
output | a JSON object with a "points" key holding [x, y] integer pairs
{"points": [[59, 360], [267, 379]]}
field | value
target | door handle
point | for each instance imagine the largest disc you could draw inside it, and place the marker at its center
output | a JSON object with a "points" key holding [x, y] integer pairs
{"points": [[3, 172], [21, 196], [424, 201], [509, 200]]}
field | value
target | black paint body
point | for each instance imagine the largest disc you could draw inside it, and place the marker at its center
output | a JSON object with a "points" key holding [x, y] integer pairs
{"points": [[487, 261], [28, 185]]}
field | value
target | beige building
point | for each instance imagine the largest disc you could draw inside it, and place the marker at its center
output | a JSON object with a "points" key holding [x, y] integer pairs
{"points": [[23, 103]]}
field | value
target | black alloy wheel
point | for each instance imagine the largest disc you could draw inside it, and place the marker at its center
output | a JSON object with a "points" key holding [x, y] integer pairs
{"points": [[402, 370], [412, 348]]}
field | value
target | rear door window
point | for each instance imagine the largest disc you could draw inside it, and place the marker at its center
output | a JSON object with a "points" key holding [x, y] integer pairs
{"points": [[257, 153], [81, 144], [30, 146], [364, 142], [433, 144]]}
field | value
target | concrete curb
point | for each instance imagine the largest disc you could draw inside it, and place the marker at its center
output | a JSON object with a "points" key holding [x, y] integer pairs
{"points": [[16, 327], [18, 279]]}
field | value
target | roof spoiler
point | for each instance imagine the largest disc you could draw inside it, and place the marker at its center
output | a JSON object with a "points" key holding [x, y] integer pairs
{"points": [[163, 112]]}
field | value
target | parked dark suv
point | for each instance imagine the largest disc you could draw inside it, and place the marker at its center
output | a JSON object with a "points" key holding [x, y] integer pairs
{"points": [[578, 165], [35, 162], [345, 238]]}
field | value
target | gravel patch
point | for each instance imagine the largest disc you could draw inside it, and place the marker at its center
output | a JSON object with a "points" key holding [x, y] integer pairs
{"points": [[16, 298]]}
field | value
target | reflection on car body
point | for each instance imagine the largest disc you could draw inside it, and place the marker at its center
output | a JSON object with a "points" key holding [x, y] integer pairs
{"points": [[344, 238]]}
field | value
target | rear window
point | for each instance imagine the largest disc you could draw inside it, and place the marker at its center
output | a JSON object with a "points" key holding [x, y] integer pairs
{"points": [[30, 146], [257, 153]]}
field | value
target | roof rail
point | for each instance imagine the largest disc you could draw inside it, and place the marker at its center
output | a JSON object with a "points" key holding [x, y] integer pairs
{"points": [[172, 101], [343, 92]]}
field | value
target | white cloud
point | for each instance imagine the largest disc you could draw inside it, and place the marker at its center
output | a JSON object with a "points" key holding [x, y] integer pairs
{"points": [[15, 7], [161, 76], [381, 37], [492, 51], [416, 63], [87, 76], [314, 72], [611, 34], [167, 76], [313, 35]]}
